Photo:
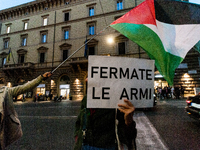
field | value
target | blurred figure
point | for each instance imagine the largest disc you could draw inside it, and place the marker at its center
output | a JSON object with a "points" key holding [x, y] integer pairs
{"points": [[10, 124], [177, 92], [182, 90]]}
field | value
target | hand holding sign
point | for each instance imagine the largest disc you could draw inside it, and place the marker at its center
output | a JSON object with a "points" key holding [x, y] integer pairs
{"points": [[128, 109]]}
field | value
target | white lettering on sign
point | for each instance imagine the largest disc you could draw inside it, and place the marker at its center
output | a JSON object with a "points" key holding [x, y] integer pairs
{"points": [[112, 79]]}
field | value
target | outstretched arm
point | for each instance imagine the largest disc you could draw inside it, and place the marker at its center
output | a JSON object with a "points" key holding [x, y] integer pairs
{"points": [[29, 85]]}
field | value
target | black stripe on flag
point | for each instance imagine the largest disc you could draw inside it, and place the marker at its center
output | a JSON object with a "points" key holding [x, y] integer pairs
{"points": [[177, 13]]}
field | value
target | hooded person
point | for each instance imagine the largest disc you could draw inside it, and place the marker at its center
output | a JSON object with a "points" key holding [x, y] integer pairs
{"points": [[10, 129]]}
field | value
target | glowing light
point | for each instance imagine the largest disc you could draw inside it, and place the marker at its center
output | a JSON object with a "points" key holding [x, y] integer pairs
{"points": [[110, 40], [77, 81], [9, 84], [52, 82], [186, 75], [158, 76]]}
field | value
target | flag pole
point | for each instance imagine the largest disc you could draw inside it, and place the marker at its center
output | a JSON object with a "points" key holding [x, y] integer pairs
{"points": [[78, 50]]}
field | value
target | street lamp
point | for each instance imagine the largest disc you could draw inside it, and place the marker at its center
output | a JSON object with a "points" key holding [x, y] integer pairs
{"points": [[110, 40], [9, 84]]}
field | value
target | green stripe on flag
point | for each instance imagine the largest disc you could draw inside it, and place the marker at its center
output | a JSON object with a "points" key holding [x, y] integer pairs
{"points": [[165, 62]]}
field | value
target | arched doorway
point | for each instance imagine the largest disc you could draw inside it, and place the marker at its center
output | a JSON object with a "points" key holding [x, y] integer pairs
{"points": [[64, 86]]}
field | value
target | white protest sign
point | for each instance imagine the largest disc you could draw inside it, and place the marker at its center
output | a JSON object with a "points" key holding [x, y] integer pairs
{"points": [[113, 79]]}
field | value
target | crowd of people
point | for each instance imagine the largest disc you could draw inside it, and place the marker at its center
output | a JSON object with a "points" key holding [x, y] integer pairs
{"points": [[169, 92]]}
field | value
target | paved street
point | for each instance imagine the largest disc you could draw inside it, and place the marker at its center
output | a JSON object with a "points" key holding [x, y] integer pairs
{"points": [[174, 126], [147, 138], [50, 126], [47, 125]]}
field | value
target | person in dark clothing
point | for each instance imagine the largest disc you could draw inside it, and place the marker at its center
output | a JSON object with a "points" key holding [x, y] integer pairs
{"points": [[50, 95], [163, 93], [182, 91], [100, 131], [169, 92], [177, 92]]}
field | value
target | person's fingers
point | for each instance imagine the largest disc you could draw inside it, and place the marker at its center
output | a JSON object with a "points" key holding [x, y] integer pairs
{"points": [[123, 106], [121, 110], [128, 102], [49, 74]]}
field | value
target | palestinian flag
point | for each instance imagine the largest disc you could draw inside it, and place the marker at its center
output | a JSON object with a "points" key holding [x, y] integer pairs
{"points": [[165, 29]]}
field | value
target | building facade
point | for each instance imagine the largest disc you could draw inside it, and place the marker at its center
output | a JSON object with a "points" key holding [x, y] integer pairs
{"points": [[39, 35]]}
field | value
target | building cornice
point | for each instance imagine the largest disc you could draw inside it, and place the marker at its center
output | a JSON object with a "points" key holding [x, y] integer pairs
{"points": [[35, 7]]}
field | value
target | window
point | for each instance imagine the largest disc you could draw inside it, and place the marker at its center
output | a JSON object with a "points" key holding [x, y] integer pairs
{"points": [[43, 36], [91, 50], [4, 61], [21, 55], [67, 16], [65, 49], [24, 41], [121, 48], [42, 57], [119, 4], [25, 25], [21, 58], [66, 31], [6, 44], [8, 29], [91, 27], [42, 54], [40, 89], [183, 65], [45, 20], [66, 34], [91, 11], [91, 30], [65, 54]]}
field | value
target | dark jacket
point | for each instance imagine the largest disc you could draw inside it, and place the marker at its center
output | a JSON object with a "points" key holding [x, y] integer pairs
{"points": [[101, 128], [10, 127]]}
